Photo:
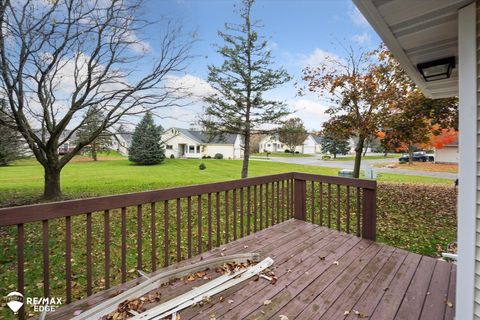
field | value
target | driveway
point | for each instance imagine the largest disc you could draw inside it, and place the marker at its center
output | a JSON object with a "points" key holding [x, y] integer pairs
{"points": [[317, 161]]}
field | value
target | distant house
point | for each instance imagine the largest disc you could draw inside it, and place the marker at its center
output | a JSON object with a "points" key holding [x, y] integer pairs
{"points": [[272, 144], [121, 141], [185, 143], [447, 154]]}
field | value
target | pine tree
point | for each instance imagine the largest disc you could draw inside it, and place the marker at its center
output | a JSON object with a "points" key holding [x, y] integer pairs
{"points": [[334, 144], [11, 146], [92, 122], [146, 147], [238, 105]]}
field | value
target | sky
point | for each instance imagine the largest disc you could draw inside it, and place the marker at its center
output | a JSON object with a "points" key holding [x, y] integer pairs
{"points": [[299, 32]]}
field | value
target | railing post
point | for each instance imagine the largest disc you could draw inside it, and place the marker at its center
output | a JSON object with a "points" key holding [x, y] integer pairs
{"points": [[300, 200], [369, 214]]}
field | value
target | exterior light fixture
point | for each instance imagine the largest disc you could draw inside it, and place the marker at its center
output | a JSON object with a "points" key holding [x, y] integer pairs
{"points": [[437, 69]]}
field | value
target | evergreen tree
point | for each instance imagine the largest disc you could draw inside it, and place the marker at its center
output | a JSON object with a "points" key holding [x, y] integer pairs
{"points": [[146, 147], [238, 106], [334, 144], [92, 122], [11, 146]]}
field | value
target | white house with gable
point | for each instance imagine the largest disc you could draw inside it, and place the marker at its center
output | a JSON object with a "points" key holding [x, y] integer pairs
{"points": [[273, 144], [195, 144]]}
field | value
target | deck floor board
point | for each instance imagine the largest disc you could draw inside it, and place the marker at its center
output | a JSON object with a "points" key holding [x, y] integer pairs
{"points": [[322, 274]]}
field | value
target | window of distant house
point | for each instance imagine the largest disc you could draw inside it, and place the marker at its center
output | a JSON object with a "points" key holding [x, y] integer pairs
{"points": [[191, 149], [268, 145], [169, 147], [198, 149]]}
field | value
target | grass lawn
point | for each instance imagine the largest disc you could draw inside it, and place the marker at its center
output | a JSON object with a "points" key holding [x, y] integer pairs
{"points": [[22, 182], [414, 213], [282, 155], [368, 157]]}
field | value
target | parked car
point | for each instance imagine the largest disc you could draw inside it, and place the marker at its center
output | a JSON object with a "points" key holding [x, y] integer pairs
{"points": [[421, 156]]}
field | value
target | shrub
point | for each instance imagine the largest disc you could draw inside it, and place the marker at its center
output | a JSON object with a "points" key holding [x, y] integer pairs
{"points": [[287, 151], [326, 157], [172, 156], [209, 157], [297, 152], [202, 166], [218, 156]]}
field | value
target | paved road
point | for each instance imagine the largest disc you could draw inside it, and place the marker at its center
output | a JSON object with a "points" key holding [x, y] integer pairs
{"points": [[317, 161]]}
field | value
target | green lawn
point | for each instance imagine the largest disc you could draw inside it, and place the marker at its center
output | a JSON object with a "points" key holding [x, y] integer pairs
{"points": [[416, 215], [282, 155], [22, 182], [370, 157]]}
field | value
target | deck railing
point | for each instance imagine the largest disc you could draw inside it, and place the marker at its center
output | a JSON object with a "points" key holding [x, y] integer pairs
{"points": [[84, 244]]}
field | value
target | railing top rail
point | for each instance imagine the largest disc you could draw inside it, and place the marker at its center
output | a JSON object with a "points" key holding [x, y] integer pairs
{"points": [[52, 210], [358, 183]]}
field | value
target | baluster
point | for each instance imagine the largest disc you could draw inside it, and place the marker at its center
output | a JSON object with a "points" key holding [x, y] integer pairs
{"points": [[217, 198], [261, 206], [338, 207], [179, 229], [266, 205], [154, 236], [46, 261], [226, 216], [124, 244], [89, 254], [254, 208], [199, 224], [348, 209], [278, 201], [139, 237], [241, 212], [21, 265], [209, 221], [106, 229], [249, 210], [312, 185], [68, 258], [189, 226], [273, 205], [329, 205], [283, 200], [358, 212], [166, 251], [321, 203], [235, 214]]}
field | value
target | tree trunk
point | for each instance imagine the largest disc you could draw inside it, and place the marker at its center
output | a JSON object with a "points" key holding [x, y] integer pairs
{"points": [[358, 157], [52, 188], [94, 152], [334, 156], [365, 149], [410, 154], [246, 156]]}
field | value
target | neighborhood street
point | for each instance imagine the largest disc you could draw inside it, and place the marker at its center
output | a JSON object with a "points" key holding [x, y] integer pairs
{"points": [[317, 161]]}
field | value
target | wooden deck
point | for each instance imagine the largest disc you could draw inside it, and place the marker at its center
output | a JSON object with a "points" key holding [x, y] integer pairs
{"points": [[322, 274]]}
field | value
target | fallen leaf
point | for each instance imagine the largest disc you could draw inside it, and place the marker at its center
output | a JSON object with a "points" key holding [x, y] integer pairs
{"points": [[450, 304], [230, 301], [335, 263], [283, 317], [267, 302], [346, 313]]}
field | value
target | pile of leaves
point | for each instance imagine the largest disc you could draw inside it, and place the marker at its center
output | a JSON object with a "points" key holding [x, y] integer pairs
{"points": [[138, 305], [418, 218]]}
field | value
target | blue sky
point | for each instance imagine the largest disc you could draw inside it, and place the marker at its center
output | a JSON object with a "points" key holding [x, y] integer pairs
{"points": [[300, 32]]}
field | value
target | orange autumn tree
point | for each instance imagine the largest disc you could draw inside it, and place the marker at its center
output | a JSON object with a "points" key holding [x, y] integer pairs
{"points": [[443, 138], [362, 89]]}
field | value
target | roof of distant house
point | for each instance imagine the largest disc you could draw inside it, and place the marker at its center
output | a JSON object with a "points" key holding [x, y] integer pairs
{"points": [[203, 137], [317, 139]]}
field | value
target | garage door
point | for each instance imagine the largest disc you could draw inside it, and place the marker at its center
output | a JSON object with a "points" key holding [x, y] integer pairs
{"points": [[309, 149]]}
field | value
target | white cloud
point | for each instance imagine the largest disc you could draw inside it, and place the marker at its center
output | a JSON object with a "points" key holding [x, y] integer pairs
{"points": [[312, 112], [356, 16], [317, 57], [136, 44], [195, 87], [362, 39]]}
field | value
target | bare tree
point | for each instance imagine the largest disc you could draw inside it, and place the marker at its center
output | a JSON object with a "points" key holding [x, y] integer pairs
{"points": [[59, 58]]}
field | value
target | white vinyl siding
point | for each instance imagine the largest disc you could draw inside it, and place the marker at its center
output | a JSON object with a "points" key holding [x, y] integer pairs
{"points": [[477, 249]]}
